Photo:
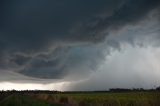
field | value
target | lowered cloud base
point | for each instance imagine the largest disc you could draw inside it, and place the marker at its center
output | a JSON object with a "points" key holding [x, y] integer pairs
{"points": [[79, 43]]}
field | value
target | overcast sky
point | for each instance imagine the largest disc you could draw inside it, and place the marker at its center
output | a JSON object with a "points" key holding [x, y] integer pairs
{"points": [[79, 44]]}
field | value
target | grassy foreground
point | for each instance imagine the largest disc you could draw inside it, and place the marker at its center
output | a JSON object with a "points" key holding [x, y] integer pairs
{"points": [[105, 98], [22, 100], [49, 98]]}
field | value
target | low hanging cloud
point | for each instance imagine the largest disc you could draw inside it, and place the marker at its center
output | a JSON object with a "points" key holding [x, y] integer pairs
{"points": [[69, 39]]}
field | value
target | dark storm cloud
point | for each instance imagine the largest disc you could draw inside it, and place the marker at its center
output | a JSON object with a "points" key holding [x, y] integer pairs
{"points": [[50, 39], [34, 23]]}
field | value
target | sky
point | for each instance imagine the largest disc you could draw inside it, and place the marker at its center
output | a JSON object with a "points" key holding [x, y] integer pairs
{"points": [[79, 44]]}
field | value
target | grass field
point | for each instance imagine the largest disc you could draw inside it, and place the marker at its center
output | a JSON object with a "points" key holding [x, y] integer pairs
{"points": [[22, 100], [105, 99], [138, 98]]}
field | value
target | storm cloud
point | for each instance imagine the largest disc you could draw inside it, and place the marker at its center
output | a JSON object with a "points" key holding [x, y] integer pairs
{"points": [[59, 39]]}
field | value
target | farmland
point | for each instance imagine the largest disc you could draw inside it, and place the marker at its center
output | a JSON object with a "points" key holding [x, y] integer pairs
{"points": [[22, 100], [106, 99], [131, 98]]}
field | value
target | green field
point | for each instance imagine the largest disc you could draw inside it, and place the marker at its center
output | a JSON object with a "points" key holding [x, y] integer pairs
{"points": [[139, 98], [106, 99], [22, 100]]}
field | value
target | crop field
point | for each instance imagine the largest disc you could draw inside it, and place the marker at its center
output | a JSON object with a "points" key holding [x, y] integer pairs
{"points": [[138, 98], [22, 100], [104, 99]]}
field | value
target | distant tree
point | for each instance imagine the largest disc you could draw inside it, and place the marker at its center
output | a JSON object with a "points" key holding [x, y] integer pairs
{"points": [[119, 89], [158, 88]]}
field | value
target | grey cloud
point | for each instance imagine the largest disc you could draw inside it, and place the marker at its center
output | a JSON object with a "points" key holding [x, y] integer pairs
{"points": [[53, 39], [130, 68], [130, 12]]}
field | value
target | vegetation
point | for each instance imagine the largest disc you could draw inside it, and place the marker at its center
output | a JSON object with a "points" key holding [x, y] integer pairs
{"points": [[22, 100], [105, 98], [114, 97]]}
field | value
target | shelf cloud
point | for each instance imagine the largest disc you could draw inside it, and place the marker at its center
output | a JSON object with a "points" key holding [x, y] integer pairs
{"points": [[68, 40]]}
